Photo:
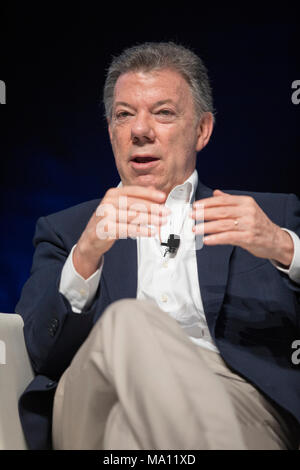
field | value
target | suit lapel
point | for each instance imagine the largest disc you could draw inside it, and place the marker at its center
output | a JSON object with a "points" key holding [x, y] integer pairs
{"points": [[213, 266], [120, 269]]}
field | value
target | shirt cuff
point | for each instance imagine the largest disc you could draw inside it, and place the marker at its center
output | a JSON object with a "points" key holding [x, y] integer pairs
{"points": [[294, 270], [78, 291]]}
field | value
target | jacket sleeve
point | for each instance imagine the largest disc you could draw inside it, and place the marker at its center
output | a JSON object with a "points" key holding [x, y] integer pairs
{"points": [[53, 332], [292, 222]]}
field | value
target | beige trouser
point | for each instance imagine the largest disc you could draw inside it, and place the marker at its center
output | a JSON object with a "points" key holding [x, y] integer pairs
{"points": [[138, 382]]}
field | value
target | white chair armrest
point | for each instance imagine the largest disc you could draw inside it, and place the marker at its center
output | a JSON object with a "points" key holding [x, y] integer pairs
{"points": [[15, 374]]}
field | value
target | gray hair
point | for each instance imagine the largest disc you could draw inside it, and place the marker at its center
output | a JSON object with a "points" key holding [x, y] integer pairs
{"points": [[158, 55]]}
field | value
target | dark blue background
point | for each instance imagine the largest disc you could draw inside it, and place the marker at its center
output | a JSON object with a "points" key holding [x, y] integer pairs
{"points": [[54, 144]]}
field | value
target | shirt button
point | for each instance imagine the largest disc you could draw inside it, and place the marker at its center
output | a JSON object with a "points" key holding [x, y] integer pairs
{"points": [[165, 264], [164, 298], [82, 292]]}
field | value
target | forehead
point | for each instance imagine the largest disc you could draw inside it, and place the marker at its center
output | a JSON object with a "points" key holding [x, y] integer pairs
{"points": [[152, 86]]}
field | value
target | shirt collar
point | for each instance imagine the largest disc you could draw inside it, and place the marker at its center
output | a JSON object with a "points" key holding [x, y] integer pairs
{"points": [[184, 192]]}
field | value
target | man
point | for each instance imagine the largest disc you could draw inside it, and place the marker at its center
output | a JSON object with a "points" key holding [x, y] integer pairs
{"points": [[147, 346]]}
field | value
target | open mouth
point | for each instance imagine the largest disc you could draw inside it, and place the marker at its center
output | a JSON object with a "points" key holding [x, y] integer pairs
{"points": [[144, 162], [146, 159]]}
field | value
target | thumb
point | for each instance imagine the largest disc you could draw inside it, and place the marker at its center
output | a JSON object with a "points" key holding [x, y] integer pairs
{"points": [[218, 192]]}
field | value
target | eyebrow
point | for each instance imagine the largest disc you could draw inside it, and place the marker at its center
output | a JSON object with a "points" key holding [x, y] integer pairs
{"points": [[122, 103], [168, 101], [158, 103]]}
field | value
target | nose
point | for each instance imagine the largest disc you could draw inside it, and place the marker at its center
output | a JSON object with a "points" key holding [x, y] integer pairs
{"points": [[142, 131]]}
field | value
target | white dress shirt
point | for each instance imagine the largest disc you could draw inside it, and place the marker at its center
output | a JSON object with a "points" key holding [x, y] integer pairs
{"points": [[169, 281]]}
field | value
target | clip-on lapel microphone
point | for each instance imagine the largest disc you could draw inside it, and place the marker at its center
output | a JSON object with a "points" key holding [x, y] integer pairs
{"points": [[172, 244]]}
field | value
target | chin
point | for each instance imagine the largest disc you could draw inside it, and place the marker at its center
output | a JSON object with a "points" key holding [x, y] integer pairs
{"points": [[147, 180]]}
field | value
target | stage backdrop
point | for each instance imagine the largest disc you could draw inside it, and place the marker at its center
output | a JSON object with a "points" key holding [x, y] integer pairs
{"points": [[55, 150]]}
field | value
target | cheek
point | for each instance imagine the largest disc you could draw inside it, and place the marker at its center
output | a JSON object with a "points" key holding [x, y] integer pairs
{"points": [[172, 139], [118, 142], [181, 142]]}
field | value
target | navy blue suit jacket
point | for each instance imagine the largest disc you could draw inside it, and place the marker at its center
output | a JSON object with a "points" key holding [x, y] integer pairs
{"points": [[252, 309]]}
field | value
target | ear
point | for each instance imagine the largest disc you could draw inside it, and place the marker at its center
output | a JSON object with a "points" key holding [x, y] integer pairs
{"points": [[204, 130]]}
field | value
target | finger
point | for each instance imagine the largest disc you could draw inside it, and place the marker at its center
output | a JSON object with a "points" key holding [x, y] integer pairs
{"points": [[147, 207], [221, 200], [110, 206], [137, 218], [225, 238], [215, 227], [148, 193], [216, 213], [111, 231], [142, 231], [133, 231]]}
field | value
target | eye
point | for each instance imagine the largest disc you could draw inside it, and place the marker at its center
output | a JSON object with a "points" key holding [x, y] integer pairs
{"points": [[122, 114], [165, 112]]}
